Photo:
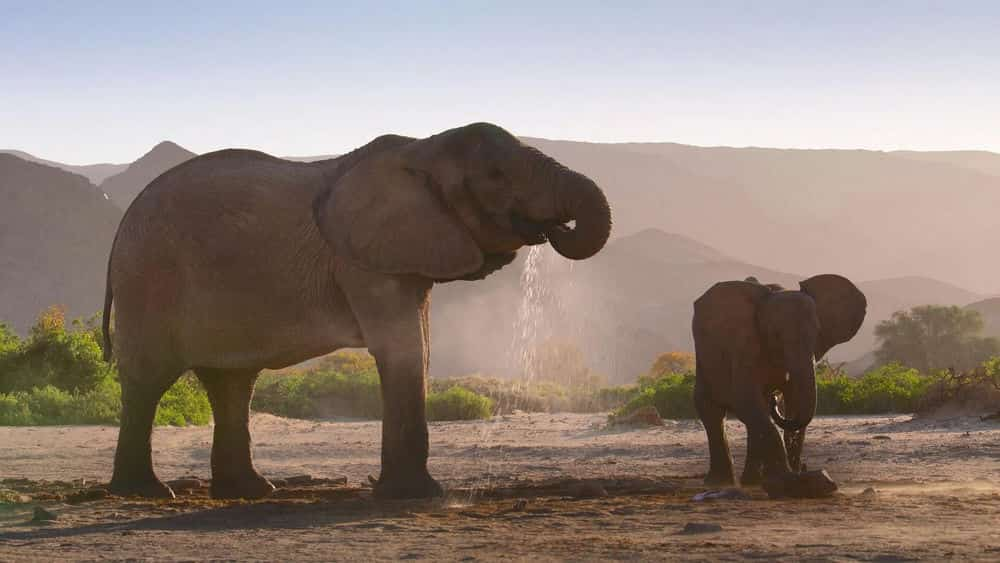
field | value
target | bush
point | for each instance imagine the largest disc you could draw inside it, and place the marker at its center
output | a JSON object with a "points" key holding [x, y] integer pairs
{"points": [[57, 376], [672, 394], [66, 359], [186, 403], [539, 396], [319, 394], [888, 389], [458, 403]]}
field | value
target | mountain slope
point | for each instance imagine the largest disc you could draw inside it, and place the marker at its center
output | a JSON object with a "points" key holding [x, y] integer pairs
{"points": [[123, 187], [96, 173], [623, 307], [56, 230], [865, 214]]}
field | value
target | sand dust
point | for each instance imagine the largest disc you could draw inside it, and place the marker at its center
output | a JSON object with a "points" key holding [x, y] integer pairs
{"points": [[536, 486]]}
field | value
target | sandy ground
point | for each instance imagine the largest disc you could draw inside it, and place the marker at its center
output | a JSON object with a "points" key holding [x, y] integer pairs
{"points": [[937, 495]]}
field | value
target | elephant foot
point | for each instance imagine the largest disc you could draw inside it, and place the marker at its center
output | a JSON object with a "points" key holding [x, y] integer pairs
{"points": [[811, 484], [751, 478], [407, 486], [719, 479], [251, 487], [146, 488]]}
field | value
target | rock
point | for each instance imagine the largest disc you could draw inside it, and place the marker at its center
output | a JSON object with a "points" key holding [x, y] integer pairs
{"points": [[881, 437], [643, 416], [299, 479], [42, 515], [869, 493], [725, 494], [588, 489], [810, 484], [701, 528]]}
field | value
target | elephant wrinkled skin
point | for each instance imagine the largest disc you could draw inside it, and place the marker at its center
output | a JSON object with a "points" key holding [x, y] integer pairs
{"points": [[752, 340], [236, 261]]}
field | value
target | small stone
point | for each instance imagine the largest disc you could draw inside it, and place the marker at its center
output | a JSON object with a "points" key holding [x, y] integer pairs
{"points": [[869, 493], [881, 437], [42, 515], [701, 528]]}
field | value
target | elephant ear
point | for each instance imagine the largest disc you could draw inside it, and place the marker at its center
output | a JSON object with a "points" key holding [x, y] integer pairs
{"points": [[385, 217], [840, 306], [727, 312]]}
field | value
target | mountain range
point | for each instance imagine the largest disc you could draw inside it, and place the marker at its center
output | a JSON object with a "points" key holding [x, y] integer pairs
{"points": [[685, 217]]}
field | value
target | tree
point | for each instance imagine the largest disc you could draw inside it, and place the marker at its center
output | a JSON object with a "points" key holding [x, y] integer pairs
{"points": [[935, 337], [672, 362]]}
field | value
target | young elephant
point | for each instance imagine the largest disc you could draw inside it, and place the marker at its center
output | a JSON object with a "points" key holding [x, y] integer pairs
{"points": [[752, 340], [236, 261]]}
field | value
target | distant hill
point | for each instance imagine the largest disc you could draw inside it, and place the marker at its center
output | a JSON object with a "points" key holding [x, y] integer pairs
{"points": [[989, 309], [96, 173], [624, 306], [56, 230], [123, 187], [980, 161]]}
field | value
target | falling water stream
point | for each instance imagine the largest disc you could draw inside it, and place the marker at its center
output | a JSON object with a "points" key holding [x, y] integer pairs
{"points": [[529, 329]]}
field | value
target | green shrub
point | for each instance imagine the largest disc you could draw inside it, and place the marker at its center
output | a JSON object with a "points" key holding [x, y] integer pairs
{"points": [[319, 394], [672, 394], [888, 389], [52, 355], [57, 376], [509, 395], [458, 403], [186, 403]]}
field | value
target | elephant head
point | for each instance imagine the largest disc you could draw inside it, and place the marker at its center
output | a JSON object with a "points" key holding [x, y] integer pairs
{"points": [[458, 205], [798, 328]]}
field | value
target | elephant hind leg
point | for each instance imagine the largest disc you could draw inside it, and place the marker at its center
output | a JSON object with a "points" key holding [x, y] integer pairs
{"points": [[233, 473], [143, 384], [713, 416]]}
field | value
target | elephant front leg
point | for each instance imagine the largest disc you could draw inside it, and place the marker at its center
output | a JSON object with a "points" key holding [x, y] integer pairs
{"points": [[713, 418], [394, 322], [794, 442], [753, 469]]}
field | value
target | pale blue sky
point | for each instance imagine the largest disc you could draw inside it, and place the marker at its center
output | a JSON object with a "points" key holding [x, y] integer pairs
{"points": [[85, 84]]}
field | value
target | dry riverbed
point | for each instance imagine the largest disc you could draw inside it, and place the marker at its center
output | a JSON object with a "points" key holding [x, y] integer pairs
{"points": [[527, 486]]}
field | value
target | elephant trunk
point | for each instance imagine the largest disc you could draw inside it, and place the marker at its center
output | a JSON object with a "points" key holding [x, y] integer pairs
{"points": [[801, 398], [576, 198]]}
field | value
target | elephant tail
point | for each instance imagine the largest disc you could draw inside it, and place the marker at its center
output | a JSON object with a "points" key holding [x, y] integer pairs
{"points": [[106, 322]]}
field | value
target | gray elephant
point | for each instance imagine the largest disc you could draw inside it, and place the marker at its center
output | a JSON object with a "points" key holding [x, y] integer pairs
{"points": [[237, 261], [752, 340]]}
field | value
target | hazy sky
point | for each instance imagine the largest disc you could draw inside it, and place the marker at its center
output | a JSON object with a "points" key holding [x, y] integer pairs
{"points": [[80, 83]]}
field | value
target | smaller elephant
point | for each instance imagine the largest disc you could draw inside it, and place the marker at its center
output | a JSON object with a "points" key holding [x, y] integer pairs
{"points": [[752, 341]]}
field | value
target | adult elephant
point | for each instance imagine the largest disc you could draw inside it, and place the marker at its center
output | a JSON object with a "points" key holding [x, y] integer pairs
{"points": [[237, 261], [752, 340]]}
